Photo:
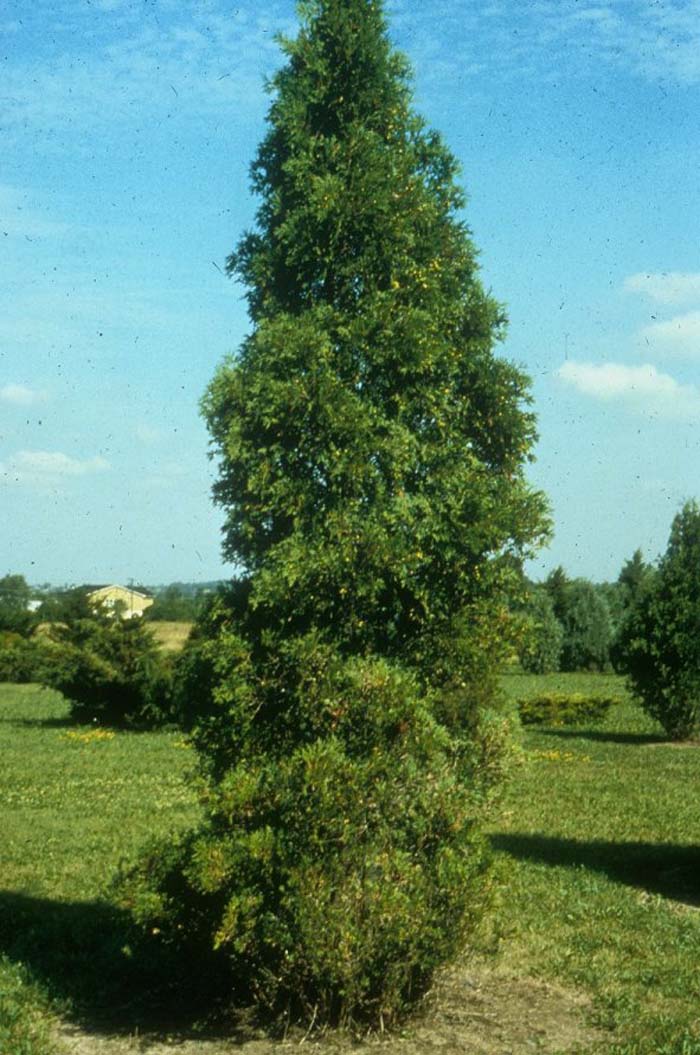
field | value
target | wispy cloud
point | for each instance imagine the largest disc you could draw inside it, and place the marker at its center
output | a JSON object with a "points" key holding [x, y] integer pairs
{"points": [[677, 337], [653, 40], [666, 287], [21, 395], [644, 388], [48, 468], [113, 59]]}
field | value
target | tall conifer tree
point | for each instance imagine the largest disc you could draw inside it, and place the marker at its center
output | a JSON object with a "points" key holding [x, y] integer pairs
{"points": [[371, 452]]}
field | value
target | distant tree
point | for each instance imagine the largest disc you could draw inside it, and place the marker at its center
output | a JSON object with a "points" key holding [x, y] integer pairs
{"points": [[543, 634], [634, 576], [372, 451], [68, 605], [15, 614], [556, 584], [587, 627], [660, 638], [174, 604]]}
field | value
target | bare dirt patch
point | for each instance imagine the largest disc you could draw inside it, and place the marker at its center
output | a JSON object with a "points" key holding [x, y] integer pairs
{"points": [[473, 1011]]}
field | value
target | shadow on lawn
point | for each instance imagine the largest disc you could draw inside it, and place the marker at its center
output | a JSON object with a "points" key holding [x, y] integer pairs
{"points": [[86, 955], [659, 868], [39, 723]]}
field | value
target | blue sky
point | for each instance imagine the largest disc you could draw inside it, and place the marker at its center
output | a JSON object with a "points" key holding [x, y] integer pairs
{"points": [[127, 129]]}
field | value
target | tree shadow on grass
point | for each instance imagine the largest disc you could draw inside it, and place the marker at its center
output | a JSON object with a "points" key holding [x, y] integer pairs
{"points": [[604, 736], [658, 868], [39, 723], [88, 958]]}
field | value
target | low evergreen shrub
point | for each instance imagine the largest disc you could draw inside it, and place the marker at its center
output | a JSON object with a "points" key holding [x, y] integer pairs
{"points": [[111, 671], [561, 708]]}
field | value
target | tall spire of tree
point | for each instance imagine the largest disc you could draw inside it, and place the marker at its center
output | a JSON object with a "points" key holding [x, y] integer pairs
{"points": [[371, 451], [372, 445]]}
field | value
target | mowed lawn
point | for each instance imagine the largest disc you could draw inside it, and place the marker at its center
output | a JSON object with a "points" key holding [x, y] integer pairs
{"points": [[598, 846], [75, 801], [601, 845]]}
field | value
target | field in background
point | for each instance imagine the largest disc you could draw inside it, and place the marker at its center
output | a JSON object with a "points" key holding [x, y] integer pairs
{"points": [[599, 851], [171, 636]]}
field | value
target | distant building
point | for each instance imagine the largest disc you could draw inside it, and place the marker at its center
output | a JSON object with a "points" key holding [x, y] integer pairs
{"points": [[128, 601]]}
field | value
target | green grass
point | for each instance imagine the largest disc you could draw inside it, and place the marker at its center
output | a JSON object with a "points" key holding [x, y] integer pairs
{"points": [[75, 801], [599, 843]]}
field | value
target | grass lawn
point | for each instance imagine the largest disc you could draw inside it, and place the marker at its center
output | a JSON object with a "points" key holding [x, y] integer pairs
{"points": [[601, 845], [598, 843], [74, 802]]}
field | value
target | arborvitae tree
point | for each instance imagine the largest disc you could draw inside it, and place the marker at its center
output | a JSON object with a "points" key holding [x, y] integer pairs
{"points": [[371, 453], [660, 637]]}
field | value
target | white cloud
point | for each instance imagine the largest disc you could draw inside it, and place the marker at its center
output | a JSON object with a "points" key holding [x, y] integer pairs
{"points": [[641, 388], [20, 395], [666, 287], [679, 336], [47, 468]]}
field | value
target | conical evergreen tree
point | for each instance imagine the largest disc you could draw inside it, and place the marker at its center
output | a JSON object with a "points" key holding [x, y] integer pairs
{"points": [[371, 450]]}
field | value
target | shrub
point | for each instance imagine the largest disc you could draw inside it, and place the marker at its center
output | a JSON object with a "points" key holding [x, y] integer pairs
{"points": [[21, 659], [659, 642], [332, 875], [560, 708], [111, 671]]}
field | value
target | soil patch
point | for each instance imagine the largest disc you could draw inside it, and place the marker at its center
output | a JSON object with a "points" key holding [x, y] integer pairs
{"points": [[474, 1010]]}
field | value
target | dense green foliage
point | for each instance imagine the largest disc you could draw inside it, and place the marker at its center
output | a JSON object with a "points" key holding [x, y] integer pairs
{"points": [[15, 595], [66, 605], [634, 577], [583, 612], [174, 603], [371, 455], [20, 658], [561, 708], [659, 644], [110, 669], [542, 635], [587, 626]]}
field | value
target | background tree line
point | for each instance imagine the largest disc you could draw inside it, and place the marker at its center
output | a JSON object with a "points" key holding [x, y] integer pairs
{"points": [[567, 624]]}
